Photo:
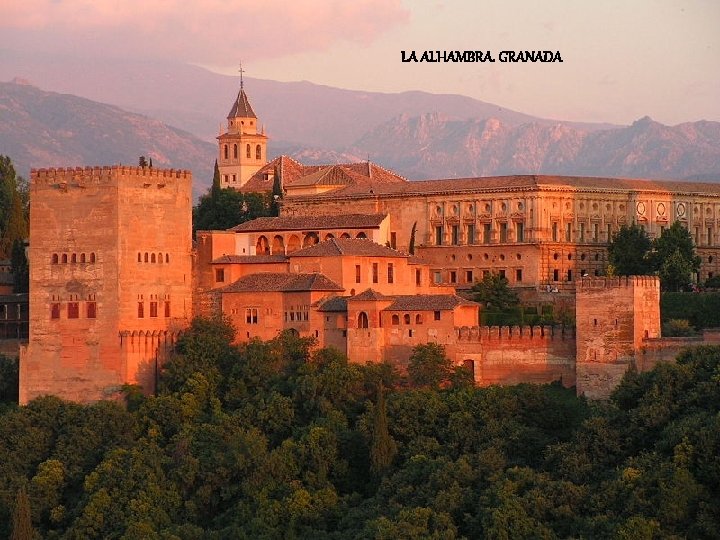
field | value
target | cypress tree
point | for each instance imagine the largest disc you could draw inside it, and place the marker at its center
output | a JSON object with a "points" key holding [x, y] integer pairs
{"points": [[22, 528], [276, 194], [383, 447], [412, 239], [16, 227]]}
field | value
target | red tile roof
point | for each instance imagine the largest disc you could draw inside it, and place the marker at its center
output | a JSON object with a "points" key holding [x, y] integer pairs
{"points": [[304, 223], [250, 259], [370, 294], [241, 107], [347, 246], [282, 282], [428, 302]]}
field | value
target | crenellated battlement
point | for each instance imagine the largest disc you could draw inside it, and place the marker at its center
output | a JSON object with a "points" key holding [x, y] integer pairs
{"points": [[514, 334], [81, 176], [595, 283]]}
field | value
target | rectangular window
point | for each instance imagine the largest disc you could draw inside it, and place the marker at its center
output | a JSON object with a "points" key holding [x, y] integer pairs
{"points": [[393, 240], [437, 315], [91, 310], [470, 232], [596, 232], [503, 232], [167, 308], [501, 273], [357, 273], [556, 275], [153, 309], [438, 235], [469, 276], [375, 270], [391, 273], [555, 231], [73, 310], [709, 236], [609, 232], [141, 310], [220, 275], [455, 235], [518, 275], [234, 178], [520, 232], [453, 276], [487, 233], [55, 310], [569, 275], [582, 232], [568, 232], [418, 275], [251, 316], [437, 277]]}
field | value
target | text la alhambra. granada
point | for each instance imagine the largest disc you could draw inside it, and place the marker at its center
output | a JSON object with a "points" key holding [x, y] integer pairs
{"points": [[480, 56]]}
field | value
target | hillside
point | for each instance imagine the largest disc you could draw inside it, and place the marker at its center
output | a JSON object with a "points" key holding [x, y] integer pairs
{"points": [[45, 129]]}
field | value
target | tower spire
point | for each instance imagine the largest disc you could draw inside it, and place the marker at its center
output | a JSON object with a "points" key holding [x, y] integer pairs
{"points": [[241, 70]]}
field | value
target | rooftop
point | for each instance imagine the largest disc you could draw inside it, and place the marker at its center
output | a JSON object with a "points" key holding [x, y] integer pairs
{"points": [[303, 223], [347, 246], [282, 282]]}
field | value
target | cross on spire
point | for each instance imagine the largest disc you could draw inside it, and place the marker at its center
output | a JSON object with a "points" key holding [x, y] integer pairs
{"points": [[241, 70]]}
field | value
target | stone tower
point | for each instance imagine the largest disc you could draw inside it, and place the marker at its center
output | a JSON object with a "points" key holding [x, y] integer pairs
{"points": [[110, 278], [242, 150]]}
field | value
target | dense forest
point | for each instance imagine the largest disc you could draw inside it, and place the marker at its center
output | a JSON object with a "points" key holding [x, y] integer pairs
{"points": [[281, 440]]}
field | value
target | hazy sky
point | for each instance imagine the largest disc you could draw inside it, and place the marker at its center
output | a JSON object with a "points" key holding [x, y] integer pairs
{"points": [[622, 59]]}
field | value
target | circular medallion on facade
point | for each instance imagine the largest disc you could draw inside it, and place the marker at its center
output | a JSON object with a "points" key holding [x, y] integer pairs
{"points": [[680, 208], [661, 209], [641, 208]]}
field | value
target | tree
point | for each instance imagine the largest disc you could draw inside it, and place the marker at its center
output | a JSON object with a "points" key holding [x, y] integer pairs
{"points": [[383, 447], [629, 250], [277, 194], [20, 269], [429, 366], [22, 528], [494, 292], [413, 232], [674, 257], [9, 381], [13, 206]]}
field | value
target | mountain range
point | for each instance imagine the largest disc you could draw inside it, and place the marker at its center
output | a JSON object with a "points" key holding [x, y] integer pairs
{"points": [[113, 112]]}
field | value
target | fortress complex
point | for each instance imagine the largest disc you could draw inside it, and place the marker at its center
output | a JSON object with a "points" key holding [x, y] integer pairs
{"points": [[359, 259]]}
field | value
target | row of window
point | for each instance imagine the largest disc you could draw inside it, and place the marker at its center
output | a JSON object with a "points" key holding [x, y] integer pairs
{"points": [[471, 238], [73, 311], [395, 319], [248, 151], [73, 258], [151, 258], [153, 305]]}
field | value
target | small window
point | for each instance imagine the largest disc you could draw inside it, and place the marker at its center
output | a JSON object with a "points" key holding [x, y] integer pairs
{"points": [[247, 151], [92, 258], [153, 309], [395, 320], [251, 316], [418, 319], [152, 257], [375, 272], [160, 257], [363, 321], [220, 275], [91, 310], [141, 310], [167, 308], [235, 152], [64, 258], [147, 257], [436, 315], [390, 273], [453, 276], [418, 275], [406, 318], [55, 258], [225, 151], [258, 152], [139, 257], [518, 275], [357, 273], [469, 276], [73, 258], [437, 277], [167, 258], [73, 310], [55, 310]]}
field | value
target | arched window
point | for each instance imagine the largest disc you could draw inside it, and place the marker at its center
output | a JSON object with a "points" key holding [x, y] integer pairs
{"points": [[55, 258], [418, 319], [139, 257], [147, 257], [159, 257], [293, 243], [406, 318], [361, 235], [247, 151], [64, 258], [92, 258], [235, 151], [152, 257], [363, 320], [225, 151], [258, 152], [262, 247], [328, 236], [82, 257], [73, 258], [167, 258], [395, 320], [310, 239], [344, 235], [278, 246]]}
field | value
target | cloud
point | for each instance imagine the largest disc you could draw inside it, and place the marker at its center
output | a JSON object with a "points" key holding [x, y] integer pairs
{"points": [[212, 31]]}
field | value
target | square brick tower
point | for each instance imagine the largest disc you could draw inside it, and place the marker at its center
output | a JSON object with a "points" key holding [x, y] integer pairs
{"points": [[110, 278]]}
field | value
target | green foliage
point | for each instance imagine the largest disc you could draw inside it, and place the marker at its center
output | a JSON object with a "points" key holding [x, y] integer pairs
{"points": [[9, 382], [429, 366], [713, 282], [13, 207], [277, 193], [280, 439], [495, 293], [20, 267], [22, 528], [678, 328], [674, 256], [413, 232], [702, 310], [629, 251]]}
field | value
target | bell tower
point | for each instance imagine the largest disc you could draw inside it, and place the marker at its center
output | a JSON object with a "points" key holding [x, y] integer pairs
{"points": [[242, 150]]}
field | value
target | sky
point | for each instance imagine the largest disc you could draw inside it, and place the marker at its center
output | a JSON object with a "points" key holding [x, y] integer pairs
{"points": [[622, 59]]}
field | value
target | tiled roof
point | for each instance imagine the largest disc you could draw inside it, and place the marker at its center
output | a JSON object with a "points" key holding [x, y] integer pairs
{"points": [[370, 294], [303, 223], [504, 183], [294, 173], [347, 246], [241, 107], [282, 282], [334, 303], [250, 259], [426, 302]]}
